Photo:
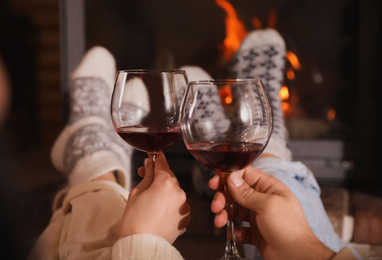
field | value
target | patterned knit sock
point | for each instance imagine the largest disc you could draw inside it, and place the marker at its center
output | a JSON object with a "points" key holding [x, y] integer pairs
{"points": [[89, 147], [200, 173], [195, 73], [209, 100], [262, 55]]}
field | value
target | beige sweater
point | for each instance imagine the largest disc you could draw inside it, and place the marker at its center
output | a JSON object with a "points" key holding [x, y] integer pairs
{"points": [[85, 225]]}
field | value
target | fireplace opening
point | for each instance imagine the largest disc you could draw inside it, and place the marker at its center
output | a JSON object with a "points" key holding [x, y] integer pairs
{"points": [[330, 92]]}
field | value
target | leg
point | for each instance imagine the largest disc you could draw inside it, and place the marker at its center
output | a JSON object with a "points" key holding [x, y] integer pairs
{"points": [[89, 147], [262, 55], [86, 219], [200, 173]]}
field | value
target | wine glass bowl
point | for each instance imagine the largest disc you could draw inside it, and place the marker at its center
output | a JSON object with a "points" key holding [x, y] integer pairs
{"points": [[145, 107], [226, 124]]}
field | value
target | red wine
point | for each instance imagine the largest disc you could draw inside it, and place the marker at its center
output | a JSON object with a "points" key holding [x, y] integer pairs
{"points": [[225, 157], [149, 139]]}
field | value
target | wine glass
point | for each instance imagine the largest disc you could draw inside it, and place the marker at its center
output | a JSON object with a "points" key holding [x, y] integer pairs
{"points": [[226, 124], [145, 108]]}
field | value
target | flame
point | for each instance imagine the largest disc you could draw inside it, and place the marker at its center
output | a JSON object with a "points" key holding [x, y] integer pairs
{"points": [[272, 19], [284, 93], [292, 58], [290, 74], [271, 22], [228, 100], [331, 114], [235, 33], [287, 108], [285, 105], [226, 95], [235, 29], [257, 23]]}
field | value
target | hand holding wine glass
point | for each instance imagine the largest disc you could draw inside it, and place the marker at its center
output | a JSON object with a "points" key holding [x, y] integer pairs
{"points": [[275, 216], [226, 125], [145, 108], [157, 205]]}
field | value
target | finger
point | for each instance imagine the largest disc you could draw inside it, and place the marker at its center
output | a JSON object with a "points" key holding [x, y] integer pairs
{"points": [[221, 219], [183, 223], [148, 177], [185, 212], [215, 183], [161, 165], [218, 203], [162, 170], [141, 171], [185, 209], [243, 235]]}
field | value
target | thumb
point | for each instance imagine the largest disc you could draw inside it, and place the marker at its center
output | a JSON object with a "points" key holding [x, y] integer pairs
{"points": [[243, 194]]}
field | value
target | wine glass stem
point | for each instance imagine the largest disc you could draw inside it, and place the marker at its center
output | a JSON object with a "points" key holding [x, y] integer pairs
{"points": [[153, 155], [230, 247]]}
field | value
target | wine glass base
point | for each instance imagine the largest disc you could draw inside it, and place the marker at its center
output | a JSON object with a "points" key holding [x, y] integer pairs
{"points": [[233, 256]]}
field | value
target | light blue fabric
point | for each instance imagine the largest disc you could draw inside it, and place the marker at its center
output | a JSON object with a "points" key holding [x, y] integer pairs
{"points": [[304, 186]]}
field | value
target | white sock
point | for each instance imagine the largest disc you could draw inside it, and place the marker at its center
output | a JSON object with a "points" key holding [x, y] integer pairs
{"points": [[262, 55], [88, 146], [195, 73]]}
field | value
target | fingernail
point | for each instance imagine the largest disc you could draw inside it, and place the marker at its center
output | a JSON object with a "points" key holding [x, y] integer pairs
{"points": [[236, 179], [147, 162]]}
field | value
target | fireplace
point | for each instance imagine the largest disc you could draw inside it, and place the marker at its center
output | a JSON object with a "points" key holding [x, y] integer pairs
{"points": [[331, 87]]}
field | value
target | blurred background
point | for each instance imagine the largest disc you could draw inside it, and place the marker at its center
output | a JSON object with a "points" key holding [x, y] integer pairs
{"points": [[331, 94]]}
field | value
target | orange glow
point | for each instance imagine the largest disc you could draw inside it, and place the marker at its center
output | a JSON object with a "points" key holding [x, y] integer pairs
{"points": [[290, 74], [226, 95], [293, 60], [287, 108], [272, 19], [235, 29], [284, 93], [331, 114], [257, 23]]}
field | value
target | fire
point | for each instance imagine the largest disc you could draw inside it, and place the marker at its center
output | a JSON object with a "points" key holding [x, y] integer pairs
{"points": [[285, 105], [331, 114], [284, 93], [287, 108], [271, 23], [235, 29], [235, 33], [290, 74], [292, 58], [295, 65], [257, 23], [226, 95], [272, 19]]}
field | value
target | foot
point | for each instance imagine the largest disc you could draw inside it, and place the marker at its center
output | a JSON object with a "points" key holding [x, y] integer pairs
{"points": [[89, 147], [262, 55]]}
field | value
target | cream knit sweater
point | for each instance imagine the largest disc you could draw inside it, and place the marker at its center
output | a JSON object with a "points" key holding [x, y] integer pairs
{"points": [[85, 225]]}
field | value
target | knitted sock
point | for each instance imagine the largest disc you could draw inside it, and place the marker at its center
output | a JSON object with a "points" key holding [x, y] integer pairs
{"points": [[88, 146], [210, 105], [209, 100], [195, 73], [262, 55]]}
